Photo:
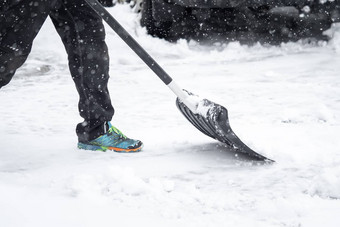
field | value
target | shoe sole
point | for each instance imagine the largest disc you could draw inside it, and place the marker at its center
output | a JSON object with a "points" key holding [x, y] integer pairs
{"points": [[91, 147]]}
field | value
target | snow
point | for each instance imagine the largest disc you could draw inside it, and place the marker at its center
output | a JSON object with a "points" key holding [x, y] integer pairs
{"points": [[283, 101]]}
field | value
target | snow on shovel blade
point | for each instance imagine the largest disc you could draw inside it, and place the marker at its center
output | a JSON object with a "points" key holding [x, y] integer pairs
{"points": [[212, 120]]}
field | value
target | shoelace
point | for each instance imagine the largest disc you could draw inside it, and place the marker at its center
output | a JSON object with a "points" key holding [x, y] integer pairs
{"points": [[117, 131]]}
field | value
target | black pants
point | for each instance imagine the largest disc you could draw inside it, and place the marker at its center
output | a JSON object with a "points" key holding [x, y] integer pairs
{"points": [[83, 35]]}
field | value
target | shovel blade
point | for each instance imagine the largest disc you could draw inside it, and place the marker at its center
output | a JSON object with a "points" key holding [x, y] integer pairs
{"points": [[213, 121]]}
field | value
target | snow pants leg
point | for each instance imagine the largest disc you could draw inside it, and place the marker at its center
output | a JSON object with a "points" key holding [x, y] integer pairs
{"points": [[20, 22], [82, 33]]}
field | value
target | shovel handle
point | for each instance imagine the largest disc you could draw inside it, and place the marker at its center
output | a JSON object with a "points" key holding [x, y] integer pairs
{"points": [[129, 40]]}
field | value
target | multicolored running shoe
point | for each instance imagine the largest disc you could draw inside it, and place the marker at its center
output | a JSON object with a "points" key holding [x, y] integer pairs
{"points": [[113, 140]]}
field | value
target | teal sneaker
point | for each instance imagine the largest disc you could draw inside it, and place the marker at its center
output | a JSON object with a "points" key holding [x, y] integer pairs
{"points": [[113, 140]]}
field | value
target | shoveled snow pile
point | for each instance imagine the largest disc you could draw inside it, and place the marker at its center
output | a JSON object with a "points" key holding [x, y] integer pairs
{"points": [[283, 101]]}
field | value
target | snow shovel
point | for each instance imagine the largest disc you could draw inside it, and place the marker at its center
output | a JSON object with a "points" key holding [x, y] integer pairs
{"points": [[208, 117]]}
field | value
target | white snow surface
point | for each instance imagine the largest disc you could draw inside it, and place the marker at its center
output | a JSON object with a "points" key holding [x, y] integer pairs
{"points": [[283, 101]]}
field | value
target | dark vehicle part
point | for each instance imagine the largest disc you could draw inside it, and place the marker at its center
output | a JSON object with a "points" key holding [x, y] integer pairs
{"points": [[284, 19], [158, 28], [107, 3]]}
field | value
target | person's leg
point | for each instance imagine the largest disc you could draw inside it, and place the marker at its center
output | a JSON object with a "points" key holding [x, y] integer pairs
{"points": [[20, 22], [83, 35]]}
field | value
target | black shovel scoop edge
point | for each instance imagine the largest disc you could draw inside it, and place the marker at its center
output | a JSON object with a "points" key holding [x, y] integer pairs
{"points": [[208, 117], [214, 122]]}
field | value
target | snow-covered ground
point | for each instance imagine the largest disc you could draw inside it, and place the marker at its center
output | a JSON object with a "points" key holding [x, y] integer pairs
{"points": [[283, 101]]}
